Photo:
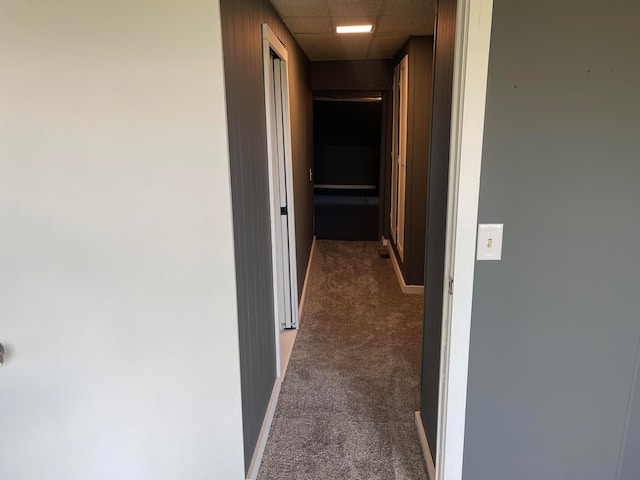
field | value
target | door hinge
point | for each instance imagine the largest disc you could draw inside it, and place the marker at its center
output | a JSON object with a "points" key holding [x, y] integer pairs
{"points": [[283, 210], [450, 286]]}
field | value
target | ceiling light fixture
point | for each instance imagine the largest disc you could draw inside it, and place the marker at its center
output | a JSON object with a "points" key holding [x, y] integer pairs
{"points": [[354, 28]]}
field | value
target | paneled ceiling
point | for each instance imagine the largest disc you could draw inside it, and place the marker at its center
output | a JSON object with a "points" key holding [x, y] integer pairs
{"points": [[313, 24]]}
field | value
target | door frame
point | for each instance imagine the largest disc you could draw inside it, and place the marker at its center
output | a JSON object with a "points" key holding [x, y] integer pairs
{"points": [[471, 61], [271, 43], [399, 125]]}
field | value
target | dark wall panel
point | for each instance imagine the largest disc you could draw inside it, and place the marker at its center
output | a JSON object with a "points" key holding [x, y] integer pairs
{"points": [[353, 75], [436, 214], [242, 44], [420, 51], [420, 87], [555, 324]]}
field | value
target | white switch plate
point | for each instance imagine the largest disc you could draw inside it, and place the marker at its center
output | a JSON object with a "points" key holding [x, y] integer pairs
{"points": [[490, 241]]}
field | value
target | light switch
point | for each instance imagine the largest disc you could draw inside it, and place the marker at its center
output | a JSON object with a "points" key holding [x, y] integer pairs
{"points": [[490, 241]]}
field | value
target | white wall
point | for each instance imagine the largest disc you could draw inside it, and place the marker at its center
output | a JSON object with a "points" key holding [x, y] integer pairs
{"points": [[117, 288]]}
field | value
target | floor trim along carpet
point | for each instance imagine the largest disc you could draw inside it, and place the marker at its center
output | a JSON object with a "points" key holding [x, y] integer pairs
{"points": [[256, 459], [254, 466], [426, 451], [407, 289], [303, 297]]}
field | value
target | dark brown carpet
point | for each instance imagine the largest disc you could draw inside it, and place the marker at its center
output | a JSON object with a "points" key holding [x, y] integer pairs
{"points": [[346, 409]]}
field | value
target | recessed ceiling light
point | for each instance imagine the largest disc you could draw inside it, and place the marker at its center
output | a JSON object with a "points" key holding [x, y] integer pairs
{"points": [[354, 28]]}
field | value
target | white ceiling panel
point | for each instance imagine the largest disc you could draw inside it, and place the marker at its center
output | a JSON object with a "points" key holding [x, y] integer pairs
{"points": [[412, 24], [302, 8], [408, 7], [310, 25], [354, 7]]}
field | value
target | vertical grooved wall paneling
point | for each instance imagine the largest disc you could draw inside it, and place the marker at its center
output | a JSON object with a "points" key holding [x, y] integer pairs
{"points": [[242, 43]]}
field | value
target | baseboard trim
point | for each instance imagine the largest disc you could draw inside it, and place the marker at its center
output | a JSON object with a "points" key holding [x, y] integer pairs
{"points": [[306, 281], [407, 289], [426, 451], [254, 466]]}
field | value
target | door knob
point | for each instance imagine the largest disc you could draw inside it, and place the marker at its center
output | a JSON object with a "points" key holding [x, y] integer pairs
{"points": [[1, 354]]}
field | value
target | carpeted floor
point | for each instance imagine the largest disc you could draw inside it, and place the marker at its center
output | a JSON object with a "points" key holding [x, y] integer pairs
{"points": [[346, 409]]}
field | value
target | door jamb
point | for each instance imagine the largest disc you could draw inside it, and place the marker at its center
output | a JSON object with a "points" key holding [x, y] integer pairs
{"points": [[471, 60], [270, 42]]}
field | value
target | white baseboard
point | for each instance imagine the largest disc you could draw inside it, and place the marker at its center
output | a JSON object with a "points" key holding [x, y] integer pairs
{"points": [[256, 459], [426, 451], [408, 289], [385, 242], [306, 281], [254, 466]]}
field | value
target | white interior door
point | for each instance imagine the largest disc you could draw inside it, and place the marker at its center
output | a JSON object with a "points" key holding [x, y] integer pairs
{"points": [[402, 151], [280, 183], [393, 215], [280, 170]]}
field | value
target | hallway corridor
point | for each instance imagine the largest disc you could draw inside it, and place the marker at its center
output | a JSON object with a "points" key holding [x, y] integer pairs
{"points": [[346, 408]]}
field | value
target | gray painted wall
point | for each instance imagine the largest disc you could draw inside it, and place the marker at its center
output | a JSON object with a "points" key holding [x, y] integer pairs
{"points": [[436, 215], [242, 41], [555, 324]]}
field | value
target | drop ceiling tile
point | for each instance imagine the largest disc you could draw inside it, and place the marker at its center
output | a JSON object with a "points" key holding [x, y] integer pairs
{"points": [[405, 24], [309, 24], [355, 7], [302, 8], [408, 7], [308, 38], [398, 40], [426, 26], [386, 47], [313, 24]]}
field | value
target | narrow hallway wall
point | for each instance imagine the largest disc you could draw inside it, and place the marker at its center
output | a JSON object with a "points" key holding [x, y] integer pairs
{"points": [[436, 215], [420, 52], [242, 42]]}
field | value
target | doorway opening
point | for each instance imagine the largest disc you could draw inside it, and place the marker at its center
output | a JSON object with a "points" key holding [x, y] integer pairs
{"points": [[444, 397], [283, 237], [347, 130]]}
